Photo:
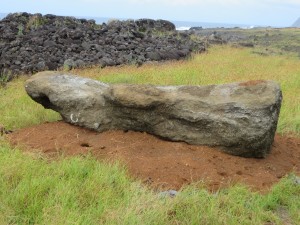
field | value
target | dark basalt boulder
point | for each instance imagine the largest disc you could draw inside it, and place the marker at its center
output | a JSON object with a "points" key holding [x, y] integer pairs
{"points": [[157, 25]]}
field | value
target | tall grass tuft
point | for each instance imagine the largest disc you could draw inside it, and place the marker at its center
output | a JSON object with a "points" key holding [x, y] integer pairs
{"points": [[18, 110]]}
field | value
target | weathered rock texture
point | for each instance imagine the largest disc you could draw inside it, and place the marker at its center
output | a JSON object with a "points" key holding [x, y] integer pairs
{"points": [[241, 117], [31, 42]]}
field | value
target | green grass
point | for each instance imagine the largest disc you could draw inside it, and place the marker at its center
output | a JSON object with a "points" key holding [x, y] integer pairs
{"points": [[18, 110], [81, 190], [267, 41], [219, 65]]}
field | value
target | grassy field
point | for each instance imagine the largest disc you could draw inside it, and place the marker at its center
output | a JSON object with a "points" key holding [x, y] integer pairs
{"points": [[267, 41], [80, 190], [219, 65]]}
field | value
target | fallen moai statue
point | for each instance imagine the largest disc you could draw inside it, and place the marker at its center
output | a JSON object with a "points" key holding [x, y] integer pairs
{"points": [[239, 117]]}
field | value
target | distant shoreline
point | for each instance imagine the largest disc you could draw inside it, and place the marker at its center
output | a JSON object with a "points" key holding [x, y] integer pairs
{"points": [[180, 25]]}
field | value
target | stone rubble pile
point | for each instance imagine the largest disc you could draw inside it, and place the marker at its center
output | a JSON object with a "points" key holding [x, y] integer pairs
{"points": [[31, 42]]}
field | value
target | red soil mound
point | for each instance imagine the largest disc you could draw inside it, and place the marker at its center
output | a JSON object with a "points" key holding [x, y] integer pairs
{"points": [[163, 164]]}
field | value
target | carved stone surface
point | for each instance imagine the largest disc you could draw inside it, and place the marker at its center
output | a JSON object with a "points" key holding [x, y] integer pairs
{"points": [[239, 117]]}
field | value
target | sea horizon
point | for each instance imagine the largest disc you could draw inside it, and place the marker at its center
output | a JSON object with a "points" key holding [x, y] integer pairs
{"points": [[180, 25]]}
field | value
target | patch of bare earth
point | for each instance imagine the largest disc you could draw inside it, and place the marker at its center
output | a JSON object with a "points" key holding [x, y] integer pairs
{"points": [[164, 164]]}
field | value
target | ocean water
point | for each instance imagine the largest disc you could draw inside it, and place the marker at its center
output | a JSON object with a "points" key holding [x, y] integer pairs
{"points": [[180, 25], [185, 25], [211, 27], [183, 28]]}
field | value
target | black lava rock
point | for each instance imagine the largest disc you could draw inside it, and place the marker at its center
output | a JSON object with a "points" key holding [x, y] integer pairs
{"points": [[31, 42]]}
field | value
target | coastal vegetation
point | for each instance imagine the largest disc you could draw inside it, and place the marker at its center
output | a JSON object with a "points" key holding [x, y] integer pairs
{"points": [[82, 190]]}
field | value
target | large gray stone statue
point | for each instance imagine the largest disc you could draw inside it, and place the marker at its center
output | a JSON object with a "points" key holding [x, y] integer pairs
{"points": [[241, 118]]}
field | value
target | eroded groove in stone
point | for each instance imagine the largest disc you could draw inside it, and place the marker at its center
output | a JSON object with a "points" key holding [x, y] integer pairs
{"points": [[240, 117]]}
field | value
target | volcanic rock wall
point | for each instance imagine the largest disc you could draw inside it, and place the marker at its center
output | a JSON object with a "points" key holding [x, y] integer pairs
{"points": [[31, 42]]}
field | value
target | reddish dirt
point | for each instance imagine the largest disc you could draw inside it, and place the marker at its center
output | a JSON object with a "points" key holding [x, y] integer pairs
{"points": [[163, 164], [252, 82]]}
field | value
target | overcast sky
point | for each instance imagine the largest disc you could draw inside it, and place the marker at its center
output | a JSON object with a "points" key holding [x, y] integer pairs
{"points": [[251, 12]]}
